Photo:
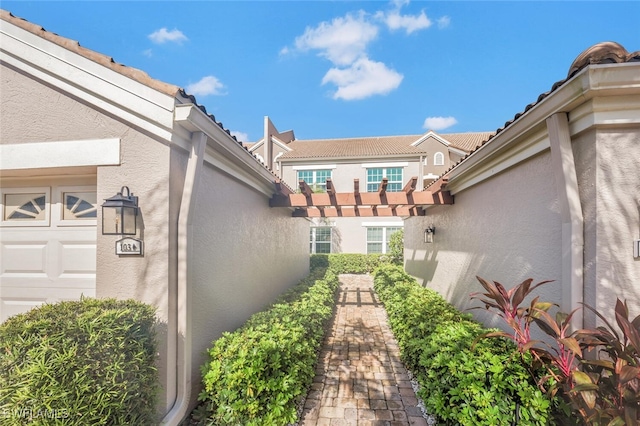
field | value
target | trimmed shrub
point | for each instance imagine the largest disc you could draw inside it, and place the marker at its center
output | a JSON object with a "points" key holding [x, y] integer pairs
{"points": [[258, 374], [463, 379], [348, 263], [86, 362]]}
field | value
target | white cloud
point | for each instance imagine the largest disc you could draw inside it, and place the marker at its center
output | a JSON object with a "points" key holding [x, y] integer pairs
{"points": [[162, 36], [439, 123], [342, 41], [444, 22], [240, 136], [409, 23], [362, 79], [148, 53], [208, 85]]}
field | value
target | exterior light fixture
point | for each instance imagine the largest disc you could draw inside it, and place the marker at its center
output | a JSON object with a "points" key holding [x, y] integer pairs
{"points": [[428, 234], [119, 214]]}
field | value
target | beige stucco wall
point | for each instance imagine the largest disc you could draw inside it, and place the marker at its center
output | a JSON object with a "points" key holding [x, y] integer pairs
{"points": [[607, 162], [246, 254], [349, 235], [505, 229]]}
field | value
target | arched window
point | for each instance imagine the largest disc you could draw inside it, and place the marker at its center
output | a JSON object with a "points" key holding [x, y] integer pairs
{"points": [[438, 159]]}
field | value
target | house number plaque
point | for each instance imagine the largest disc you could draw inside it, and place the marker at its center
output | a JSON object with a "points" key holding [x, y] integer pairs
{"points": [[129, 247]]}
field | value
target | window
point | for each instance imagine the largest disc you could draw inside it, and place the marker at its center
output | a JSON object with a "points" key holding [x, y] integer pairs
{"points": [[320, 239], [438, 159], [393, 175], [79, 205], [25, 206], [378, 239], [316, 179]]}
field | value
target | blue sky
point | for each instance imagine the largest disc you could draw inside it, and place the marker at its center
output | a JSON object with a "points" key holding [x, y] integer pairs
{"points": [[335, 69]]}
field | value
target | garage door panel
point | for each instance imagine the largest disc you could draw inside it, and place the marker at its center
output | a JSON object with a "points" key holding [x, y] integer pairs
{"points": [[13, 300], [76, 258], [27, 259]]}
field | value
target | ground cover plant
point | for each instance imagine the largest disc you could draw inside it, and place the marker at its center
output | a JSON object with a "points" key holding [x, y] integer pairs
{"points": [[258, 374], [597, 370], [89, 362], [463, 380]]}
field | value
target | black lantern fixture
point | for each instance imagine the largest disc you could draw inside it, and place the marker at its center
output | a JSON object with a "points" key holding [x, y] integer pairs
{"points": [[119, 214], [428, 234]]}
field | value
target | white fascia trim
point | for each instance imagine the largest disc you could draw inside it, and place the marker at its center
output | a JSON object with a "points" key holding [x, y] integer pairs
{"points": [[430, 176], [383, 224], [457, 151], [223, 152], [256, 145], [85, 79], [431, 134], [595, 81], [375, 165], [281, 144], [315, 167], [40, 155]]}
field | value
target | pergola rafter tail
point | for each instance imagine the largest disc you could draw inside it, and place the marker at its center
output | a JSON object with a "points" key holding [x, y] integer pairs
{"points": [[331, 203]]}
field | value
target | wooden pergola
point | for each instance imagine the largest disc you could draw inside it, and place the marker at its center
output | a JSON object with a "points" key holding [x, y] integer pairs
{"points": [[331, 203]]}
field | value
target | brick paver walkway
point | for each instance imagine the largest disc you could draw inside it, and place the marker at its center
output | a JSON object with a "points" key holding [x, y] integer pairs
{"points": [[360, 379]]}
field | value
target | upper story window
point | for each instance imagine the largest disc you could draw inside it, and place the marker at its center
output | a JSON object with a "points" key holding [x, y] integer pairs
{"points": [[393, 175], [316, 179], [438, 159]]}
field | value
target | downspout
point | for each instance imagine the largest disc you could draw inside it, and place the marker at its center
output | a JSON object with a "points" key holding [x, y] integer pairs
{"points": [[182, 339], [564, 170]]}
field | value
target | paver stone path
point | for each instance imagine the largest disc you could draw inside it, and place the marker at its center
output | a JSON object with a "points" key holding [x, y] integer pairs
{"points": [[360, 379]]}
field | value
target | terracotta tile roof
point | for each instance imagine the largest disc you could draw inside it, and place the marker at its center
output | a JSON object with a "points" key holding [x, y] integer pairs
{"points": [[601, 53], [379, 146]]}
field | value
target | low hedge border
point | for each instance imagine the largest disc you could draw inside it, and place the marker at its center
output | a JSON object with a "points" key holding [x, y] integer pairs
{"points": [[349, 263], [258, 374], [89, 362], [462, 380]]}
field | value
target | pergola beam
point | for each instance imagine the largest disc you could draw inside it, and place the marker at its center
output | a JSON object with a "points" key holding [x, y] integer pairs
{"points": [[331, 203]]}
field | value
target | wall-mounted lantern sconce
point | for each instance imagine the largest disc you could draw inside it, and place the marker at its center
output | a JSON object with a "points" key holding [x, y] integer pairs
{"points": [[428, 234], [119, 214]]}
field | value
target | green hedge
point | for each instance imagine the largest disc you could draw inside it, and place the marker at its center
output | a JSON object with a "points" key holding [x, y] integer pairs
{"points": [[349, 263], [460, 383], [89, 362], [257, 374]]}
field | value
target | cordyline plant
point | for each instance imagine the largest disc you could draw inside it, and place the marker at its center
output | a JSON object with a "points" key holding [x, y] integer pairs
{"points": [[603, 388]]}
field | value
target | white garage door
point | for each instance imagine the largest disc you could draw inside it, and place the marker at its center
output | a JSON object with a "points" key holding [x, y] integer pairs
{"points": [[47, 245]]}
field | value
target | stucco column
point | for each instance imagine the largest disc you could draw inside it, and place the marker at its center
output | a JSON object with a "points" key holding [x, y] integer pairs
{"points": [[564, 169]]}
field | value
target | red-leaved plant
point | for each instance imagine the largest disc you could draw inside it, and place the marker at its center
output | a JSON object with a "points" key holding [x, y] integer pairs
{"points": [[603, 388]]}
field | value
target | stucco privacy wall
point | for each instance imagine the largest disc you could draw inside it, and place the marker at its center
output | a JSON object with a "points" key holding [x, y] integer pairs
{"points": [[609, 181], [517, 213], [505, 229], [247, 254]]}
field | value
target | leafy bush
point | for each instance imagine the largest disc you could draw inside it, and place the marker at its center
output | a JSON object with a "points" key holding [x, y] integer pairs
{"points": [[603, 389], [348, 263], [396, 247], [460, 382], [257, 374], [79, 362]]}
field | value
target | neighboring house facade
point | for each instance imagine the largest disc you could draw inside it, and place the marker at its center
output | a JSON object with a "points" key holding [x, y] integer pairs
{"points": [[554, 195], [369, 160], [76, 128]]}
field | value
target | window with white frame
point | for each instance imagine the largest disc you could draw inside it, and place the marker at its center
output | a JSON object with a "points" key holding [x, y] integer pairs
{"points": [[378, 238], [393, 175], [316, 179], [438, 159], [320, 239]]}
